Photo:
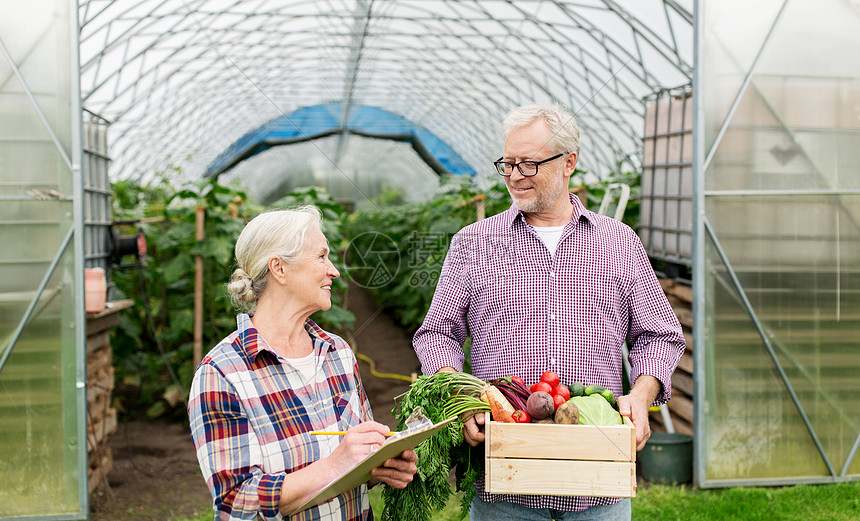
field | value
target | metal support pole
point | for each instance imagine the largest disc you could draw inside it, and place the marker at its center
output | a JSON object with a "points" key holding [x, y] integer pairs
{"points": [[200, 219]]}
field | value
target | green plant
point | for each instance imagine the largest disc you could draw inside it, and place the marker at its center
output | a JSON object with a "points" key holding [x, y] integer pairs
{"points": [[419, 236], [156, 335]]}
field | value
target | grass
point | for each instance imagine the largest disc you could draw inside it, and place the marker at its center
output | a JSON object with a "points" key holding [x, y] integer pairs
{"points": [[836, 502]]}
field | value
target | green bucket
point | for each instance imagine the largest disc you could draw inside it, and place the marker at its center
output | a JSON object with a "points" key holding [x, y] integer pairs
{"points": [[667, 458]]}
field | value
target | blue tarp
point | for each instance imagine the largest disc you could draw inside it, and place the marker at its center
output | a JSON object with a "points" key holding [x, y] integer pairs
{"points": [[318, 121]]}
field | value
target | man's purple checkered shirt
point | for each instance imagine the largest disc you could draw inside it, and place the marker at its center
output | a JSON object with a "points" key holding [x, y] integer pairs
{"points": [[528, 312]]}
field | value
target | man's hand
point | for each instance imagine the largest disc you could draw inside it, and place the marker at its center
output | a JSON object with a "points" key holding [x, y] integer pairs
{"points": [[397, 472], [636, 404], [473, 429]]}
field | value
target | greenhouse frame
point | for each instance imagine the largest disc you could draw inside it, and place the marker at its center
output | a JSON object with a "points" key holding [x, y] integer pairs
{"points": [[756, 195]]}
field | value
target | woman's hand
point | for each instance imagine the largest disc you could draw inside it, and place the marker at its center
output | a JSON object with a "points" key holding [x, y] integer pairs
{"points": [[357, 443], [397, 472]]}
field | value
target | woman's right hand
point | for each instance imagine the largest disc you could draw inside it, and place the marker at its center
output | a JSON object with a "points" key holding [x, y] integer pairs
{"points": [[357, 443]]}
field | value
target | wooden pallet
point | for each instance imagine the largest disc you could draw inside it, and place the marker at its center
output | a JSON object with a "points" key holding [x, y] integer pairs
{"points": [[680, 297], [101, 416]]}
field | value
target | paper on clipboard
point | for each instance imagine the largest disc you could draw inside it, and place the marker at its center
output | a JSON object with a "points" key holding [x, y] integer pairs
{"points": [[360, 472]]}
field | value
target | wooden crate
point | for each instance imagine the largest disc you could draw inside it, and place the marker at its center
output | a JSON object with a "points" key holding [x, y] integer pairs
{"points": [[561, 460]]}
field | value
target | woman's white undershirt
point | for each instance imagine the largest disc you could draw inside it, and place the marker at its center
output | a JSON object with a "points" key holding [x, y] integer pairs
{"points": [[306, 366]]}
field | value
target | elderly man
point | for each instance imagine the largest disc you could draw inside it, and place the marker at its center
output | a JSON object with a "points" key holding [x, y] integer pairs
{"points": [[549, 285]]}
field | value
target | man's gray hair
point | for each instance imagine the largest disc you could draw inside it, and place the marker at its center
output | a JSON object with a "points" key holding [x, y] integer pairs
{"points": [[562, 125]]}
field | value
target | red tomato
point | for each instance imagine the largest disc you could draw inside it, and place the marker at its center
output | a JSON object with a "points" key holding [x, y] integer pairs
{"points": [[519, 381], [551, 378], [521, 416], [557, 400], [541, 386], [561, 390]]}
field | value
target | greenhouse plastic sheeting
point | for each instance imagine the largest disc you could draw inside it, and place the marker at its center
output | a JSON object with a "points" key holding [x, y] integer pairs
{"points": [[777, 255], [183, 82], [43, 458], [314, 122]]}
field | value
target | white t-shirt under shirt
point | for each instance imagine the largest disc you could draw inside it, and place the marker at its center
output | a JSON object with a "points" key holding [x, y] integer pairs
{"points": [[306, 366], [550, 236]]}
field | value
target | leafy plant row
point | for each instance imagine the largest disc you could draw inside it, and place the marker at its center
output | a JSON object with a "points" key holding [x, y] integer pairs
{"points": [[164, 287], [397, 251]]}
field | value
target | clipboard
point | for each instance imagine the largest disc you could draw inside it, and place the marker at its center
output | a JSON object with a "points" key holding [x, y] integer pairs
{"points": [[360, 472]]}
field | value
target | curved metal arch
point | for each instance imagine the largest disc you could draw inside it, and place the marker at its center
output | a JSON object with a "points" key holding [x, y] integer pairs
{"points": [[464, 110]]}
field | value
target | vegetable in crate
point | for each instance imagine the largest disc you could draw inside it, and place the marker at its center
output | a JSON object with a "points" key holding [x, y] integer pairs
{"points": [[500, 407], [595, 410], [513, 389], [440, 396], [557, 400], [551, 378], [541, 386], [540, 405], [602, 391], [576, 389], [567, 414], [561, 390], [521, 416]]}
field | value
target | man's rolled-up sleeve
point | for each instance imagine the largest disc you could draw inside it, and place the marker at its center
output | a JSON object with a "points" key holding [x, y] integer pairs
{"points": [[439, 341], [656, 337]]}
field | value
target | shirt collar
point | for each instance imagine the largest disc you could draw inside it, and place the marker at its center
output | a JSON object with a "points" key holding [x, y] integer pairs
{"points": [[579, 212], [249, 341]]}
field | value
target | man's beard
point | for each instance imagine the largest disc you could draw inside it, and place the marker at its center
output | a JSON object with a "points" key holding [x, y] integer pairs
{"points": [[543, 200]]}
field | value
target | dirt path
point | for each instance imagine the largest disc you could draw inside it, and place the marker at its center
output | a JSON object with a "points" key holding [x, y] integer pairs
{"points": [[155, 473], [380, 338]]}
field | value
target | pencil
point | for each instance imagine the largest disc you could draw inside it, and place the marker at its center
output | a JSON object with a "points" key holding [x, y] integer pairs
{"points": [[339, 433]]}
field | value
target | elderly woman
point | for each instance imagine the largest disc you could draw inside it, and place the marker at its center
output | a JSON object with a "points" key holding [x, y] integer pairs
{"points": [[261, 391]]}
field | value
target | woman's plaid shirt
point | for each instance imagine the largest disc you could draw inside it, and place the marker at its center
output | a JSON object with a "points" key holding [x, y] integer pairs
{"points": [[251, 414]]}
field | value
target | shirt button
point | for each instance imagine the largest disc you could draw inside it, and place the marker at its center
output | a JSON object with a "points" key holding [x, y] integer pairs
{"points": [[552, 361], [552, 274], [552, 316]]}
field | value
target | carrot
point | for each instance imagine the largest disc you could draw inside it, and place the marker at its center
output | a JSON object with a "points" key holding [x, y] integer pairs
{"points": [[499, 405]]}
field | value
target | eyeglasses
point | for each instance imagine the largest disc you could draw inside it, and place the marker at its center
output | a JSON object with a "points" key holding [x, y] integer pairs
{"points": [[527, 168]]}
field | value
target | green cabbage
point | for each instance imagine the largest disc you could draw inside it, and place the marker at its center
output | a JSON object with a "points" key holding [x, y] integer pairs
{"points": [[595, 410]]}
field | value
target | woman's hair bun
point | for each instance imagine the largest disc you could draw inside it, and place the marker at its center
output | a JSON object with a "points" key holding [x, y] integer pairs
{"points": [[241, 288]]}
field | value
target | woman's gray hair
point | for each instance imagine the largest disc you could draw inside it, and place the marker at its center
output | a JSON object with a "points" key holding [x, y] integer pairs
{"points": [[278, 233], [561, 122]]}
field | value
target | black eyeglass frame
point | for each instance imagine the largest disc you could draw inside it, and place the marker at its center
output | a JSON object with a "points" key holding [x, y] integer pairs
{"points": [[500, 165]]}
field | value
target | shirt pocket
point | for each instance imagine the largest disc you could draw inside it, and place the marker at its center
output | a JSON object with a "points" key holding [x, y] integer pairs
{"points": [[347, 408]]}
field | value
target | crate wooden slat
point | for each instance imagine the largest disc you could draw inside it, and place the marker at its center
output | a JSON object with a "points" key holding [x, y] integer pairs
{"points": [[561, 477], [566, 460], [546, 441]]}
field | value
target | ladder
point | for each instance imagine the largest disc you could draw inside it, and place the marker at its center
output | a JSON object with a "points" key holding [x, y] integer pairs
{"points": [[623, 192]]}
